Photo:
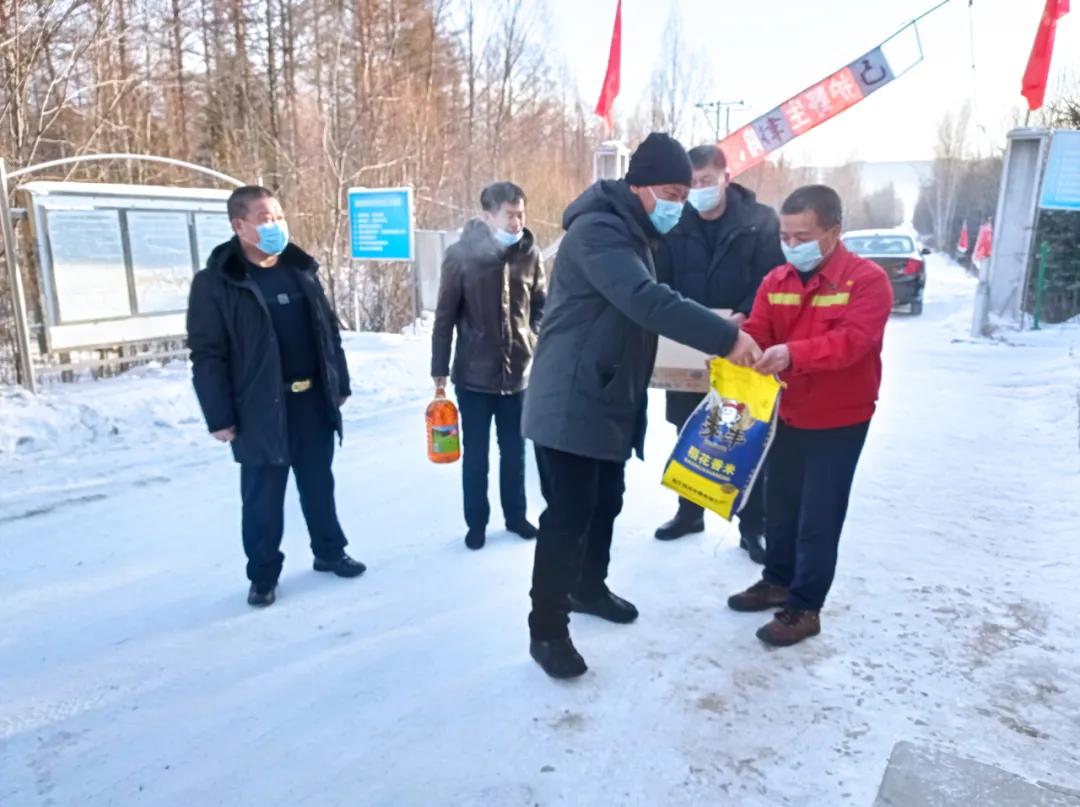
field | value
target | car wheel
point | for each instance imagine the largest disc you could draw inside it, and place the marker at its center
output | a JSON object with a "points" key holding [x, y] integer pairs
{"points": [[916, 308]]}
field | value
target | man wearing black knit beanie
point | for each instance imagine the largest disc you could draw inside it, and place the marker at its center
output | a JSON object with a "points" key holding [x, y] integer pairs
{"points": [[585, 406]]}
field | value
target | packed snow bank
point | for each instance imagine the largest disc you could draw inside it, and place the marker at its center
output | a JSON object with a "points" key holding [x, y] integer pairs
{"points": [[152, 403]]}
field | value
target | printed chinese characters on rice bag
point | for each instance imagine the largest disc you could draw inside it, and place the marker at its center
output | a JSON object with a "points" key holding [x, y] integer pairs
{"points": [[722, 446]]}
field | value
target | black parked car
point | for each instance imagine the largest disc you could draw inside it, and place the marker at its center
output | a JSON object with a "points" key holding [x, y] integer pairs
{"points": [[896, 252]]}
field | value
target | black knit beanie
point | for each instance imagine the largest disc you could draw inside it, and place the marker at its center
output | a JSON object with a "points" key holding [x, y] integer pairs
{"points": [[660, 160]]}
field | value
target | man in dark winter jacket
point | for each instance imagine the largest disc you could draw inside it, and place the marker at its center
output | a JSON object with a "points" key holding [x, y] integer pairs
{"points": [[724, 246], [492, 293], [271, 377], [585, 407]]}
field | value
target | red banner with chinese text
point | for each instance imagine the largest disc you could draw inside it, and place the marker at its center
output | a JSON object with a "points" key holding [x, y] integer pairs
{"points": [[751, 144]]}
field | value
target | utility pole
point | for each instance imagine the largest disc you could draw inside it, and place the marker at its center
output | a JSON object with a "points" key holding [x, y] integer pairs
{"points": [[721, 108]]}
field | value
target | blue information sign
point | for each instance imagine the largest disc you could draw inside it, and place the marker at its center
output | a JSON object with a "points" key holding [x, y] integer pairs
{"points": [[1061, 182], [381, 224]]}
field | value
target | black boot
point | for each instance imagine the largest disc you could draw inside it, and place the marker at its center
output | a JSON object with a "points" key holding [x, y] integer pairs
{"points": [[475, 539], [607, 606], [689, 519], [342, 567], [261, 596], [754, 544], [558, 657]]}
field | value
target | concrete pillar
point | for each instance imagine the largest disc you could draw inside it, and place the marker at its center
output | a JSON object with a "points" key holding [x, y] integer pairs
{"points": [[610, 160]]}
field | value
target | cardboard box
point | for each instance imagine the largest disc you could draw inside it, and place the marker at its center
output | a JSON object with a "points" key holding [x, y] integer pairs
{"points": [[681, 368]]}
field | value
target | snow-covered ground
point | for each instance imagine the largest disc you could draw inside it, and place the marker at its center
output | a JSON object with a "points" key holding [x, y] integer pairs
{"points": [[79, 442], [133, 672]]}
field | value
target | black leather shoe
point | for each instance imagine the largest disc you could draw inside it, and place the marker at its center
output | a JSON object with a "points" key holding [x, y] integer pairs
{"points": [[607, 606], [475, 539], [558, 657], [754, 545], [261, 597], [342, 567], [522, 528]]}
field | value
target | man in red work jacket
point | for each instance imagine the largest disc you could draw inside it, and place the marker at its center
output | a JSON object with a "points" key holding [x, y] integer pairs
{"points": [[820, 318]]}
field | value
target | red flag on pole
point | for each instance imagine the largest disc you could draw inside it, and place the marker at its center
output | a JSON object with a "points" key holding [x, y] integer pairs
{"points": [[964, 243], [1038, 66], [983, 244], [605, 106]]}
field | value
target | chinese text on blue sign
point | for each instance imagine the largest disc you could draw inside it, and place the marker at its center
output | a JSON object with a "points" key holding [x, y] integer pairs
{"points": [[381, 223]]}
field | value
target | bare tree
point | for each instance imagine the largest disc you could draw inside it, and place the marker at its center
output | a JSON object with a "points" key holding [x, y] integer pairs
{"points": [[948, 171], [772, 181], [314, 96], [681, 80], [178, 92]]}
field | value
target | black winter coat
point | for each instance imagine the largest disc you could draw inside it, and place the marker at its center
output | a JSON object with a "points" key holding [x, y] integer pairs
{"points": [[236, 366], [494, 296], [745, 249], [598, 339]]}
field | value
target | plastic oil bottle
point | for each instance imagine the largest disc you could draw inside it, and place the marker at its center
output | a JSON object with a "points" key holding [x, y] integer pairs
{"points": [[443, 429]]}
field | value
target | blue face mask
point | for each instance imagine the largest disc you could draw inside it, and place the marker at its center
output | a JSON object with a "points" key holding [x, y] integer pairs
{"points": [[508, 239], [273, 237], [705, 199], [804, 257], [665, 215]]}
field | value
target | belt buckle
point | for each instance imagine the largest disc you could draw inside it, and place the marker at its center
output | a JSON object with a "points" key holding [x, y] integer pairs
{"points": [[300, 386]]}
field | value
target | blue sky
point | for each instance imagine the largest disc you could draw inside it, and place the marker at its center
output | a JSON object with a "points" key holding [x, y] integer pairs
{"points": [[764, 51]]}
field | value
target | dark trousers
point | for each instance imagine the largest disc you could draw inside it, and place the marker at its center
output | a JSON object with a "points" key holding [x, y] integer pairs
{"points": [[751, 517], [477, 409], [311, 452], [584, 496], [807, 486]]}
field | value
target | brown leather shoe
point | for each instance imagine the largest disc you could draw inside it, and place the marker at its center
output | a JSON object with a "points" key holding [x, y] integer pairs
{"points": [[790, 626], [759, 597]]}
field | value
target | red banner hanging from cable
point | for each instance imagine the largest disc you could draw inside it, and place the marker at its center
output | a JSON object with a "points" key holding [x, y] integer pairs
{"points": [[826, 99]]}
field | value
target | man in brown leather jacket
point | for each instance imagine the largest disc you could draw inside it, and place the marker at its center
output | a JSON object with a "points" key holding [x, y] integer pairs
{"points": [[492, 293]]}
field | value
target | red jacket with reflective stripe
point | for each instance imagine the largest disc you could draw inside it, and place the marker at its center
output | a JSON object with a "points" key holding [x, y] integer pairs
{"points": [[834, 326]]}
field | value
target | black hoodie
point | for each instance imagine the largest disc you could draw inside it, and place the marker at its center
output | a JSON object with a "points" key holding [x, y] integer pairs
{"points": [[494, 297]]}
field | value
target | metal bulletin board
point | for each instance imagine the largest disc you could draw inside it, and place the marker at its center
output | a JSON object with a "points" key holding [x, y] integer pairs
{"points": [[117, 261]]}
